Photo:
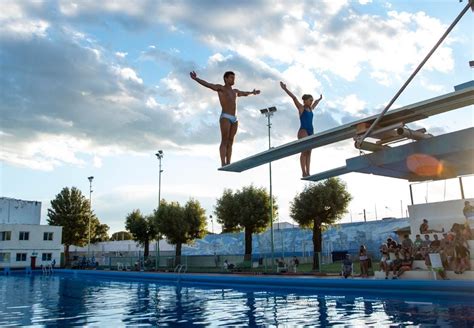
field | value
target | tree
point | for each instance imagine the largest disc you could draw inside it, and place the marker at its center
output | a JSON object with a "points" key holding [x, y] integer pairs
{"points": [[99, 232], [318, 206], [247, 209], [121, 235], [142, 229], [71, 210], [181, 225]]}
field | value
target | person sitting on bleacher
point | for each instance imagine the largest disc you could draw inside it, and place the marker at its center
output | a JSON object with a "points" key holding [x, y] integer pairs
{"points": [[406, 264], [424, 228], [417, 248], [435, 244], [391, 244], [447, 251], [407, 244], [396, 265], [427, 242]]}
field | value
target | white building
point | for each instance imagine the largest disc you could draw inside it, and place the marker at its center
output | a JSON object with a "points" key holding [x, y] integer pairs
{"points": [[23, 241]]}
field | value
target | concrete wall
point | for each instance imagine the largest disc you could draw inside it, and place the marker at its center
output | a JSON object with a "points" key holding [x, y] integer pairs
{"points": [[16, 211], [343, 237], [123, 246], [439, 214], [35, 246]]}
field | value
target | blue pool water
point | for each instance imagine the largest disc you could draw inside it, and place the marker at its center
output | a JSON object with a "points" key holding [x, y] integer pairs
{"points": [[67, 300]]}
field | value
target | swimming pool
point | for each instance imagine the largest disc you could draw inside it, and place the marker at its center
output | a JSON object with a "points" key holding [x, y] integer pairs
{"points": [[101, 300]]}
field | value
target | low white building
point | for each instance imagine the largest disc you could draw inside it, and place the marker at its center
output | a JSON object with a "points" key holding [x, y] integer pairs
{"points": [[23, 241]]}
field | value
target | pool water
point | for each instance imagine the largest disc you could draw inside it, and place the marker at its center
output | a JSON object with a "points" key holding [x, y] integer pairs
{"points": [[67, 300]]}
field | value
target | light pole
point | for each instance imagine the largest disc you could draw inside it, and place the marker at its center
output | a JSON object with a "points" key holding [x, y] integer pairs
{"points": [[90, 214], [268, 112], [212, 223], [159, 155]]}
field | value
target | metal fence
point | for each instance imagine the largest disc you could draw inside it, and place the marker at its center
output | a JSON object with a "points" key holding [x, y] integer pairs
{"points": [[195, 263]]}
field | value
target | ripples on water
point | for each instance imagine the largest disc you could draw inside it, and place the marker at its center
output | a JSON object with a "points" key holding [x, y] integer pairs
{"points": [[66, 301]]}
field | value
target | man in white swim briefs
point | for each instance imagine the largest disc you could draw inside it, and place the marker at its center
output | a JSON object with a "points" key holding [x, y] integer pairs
{"points": [[228, 119]]}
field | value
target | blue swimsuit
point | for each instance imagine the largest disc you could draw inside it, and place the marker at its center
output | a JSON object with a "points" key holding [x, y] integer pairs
{"points": [[306, 119]]}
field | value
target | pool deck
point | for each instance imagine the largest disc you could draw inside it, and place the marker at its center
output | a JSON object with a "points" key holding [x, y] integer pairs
{"points": [[296, 282]]}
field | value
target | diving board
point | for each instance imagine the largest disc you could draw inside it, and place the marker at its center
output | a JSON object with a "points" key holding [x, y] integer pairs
{"points": [[443, 157], [407, 114]]}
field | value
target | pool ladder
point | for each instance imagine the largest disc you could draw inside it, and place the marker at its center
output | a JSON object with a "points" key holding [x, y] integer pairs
{"points": [[180, 267], [47, 269]]}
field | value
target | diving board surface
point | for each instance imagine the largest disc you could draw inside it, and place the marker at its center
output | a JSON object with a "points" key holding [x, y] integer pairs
{"points": [[406, 114]]}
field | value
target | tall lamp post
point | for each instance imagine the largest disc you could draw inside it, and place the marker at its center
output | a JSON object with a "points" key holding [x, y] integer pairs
{"points": [[268, 112], [159, 155], [90, 214]]}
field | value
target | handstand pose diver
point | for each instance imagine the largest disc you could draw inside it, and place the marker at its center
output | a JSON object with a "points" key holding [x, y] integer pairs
{"points": [[228, 120], [306, 127]]}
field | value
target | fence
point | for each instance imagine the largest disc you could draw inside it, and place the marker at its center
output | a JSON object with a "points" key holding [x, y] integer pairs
{"points": [[195, 263]]}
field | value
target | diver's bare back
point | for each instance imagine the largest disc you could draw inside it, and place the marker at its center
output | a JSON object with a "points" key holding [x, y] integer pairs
{"points": [[228, 100]]}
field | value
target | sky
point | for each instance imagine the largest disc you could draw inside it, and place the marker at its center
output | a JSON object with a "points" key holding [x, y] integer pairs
{"points": [[95, 88]]}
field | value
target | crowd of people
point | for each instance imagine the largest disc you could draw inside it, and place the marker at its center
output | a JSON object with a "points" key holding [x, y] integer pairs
{"points": [[452, 248]]}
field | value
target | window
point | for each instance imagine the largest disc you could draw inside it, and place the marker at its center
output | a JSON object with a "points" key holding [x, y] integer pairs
{"points": [[24, 235], [48, 236], [21, 257], [46, 256], [5, 235], [4, 257]]}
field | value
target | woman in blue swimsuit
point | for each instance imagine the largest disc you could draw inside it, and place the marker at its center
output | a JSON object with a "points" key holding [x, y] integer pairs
{"points": [[305, 111]]}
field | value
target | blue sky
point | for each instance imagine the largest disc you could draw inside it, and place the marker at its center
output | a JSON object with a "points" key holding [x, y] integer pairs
{"points": [[96, 88]]}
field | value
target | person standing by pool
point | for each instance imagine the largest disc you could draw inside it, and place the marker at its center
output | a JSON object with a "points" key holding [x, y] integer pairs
{"points": [[305, 111], [364, 261], [228, 120]]}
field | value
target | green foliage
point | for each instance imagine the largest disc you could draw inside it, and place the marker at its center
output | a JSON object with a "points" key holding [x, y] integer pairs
{"points": [[142, 229], [247, 209], [318, 206], [121, 235], [180, 225], [71, 210], [99, 232]]}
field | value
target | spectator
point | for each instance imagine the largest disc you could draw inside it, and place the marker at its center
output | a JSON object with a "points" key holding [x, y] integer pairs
{"points": [[396, 265], [364, 261], [435, 244], [417, 248], [427, 242], [407, 244], [462, 254], [468, 210], [228, 266], [385, 260], [424, 228], [347, 266], [295, 262], [281, 265], [406, 264], [392, 244], [448, 252]]}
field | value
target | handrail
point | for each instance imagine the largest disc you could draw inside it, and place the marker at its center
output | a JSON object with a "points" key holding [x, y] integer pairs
{"points": [[374, 124]]}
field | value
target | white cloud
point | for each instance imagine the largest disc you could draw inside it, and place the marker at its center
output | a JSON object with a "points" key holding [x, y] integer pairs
{"points": [[128, 73], [364, 2], [121, 54]]}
